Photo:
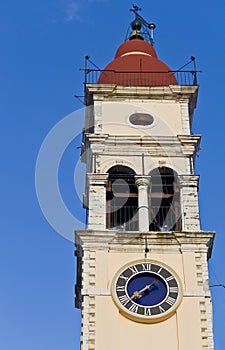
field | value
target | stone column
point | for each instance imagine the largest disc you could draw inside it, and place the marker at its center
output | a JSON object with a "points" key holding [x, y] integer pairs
{"points": [[189, 202], [96, 191], [142, 183]]}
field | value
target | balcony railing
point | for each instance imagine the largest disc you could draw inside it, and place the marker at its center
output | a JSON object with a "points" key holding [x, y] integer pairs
{"points": [[161, 218], [123, 218], [164, 218], [127, 78]]}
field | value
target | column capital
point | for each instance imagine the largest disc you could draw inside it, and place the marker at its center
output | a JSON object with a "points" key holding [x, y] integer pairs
{"points": [[97, 179], [188, 180], [142, 180]]}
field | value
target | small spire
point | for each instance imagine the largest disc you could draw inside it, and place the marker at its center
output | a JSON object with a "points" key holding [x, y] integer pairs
{"points": [[141, 29]]}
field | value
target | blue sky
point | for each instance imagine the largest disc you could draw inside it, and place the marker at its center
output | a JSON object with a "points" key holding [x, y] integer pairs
{"points": [[42, 45]]}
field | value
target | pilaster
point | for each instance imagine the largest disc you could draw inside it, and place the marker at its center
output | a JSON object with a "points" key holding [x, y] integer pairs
{"points": [[185, 116], [189, 202], [88, 304], [97, 200]]}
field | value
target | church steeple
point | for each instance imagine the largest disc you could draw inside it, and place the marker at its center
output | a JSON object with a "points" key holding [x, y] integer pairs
{"points": [[142, 261]]}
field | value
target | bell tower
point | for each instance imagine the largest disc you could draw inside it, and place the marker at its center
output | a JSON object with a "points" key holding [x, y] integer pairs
{"points": [[142, 273]]}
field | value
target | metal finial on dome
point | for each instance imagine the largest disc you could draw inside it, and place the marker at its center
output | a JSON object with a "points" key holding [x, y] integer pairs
{"points": [[136, 25], [136, 33], [141, 29]]}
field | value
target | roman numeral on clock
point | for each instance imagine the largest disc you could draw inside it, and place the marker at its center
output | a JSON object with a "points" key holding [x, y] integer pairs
{"points": [[173, 289], [133, 269], [170, 278], [147, 311], [120, 288], [124, 277], [133, 308], [124, 300], [159, 270], [161, 309], [170, 301], [146, 267]]}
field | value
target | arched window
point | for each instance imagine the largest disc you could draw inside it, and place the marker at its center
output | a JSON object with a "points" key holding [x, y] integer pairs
{"points": [[121, 199], [164, 200]]}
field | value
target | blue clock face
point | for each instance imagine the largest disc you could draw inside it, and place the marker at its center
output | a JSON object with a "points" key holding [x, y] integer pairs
{"points": [[147, 291]]}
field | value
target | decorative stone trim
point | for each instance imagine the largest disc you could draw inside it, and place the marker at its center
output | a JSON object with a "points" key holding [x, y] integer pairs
{"points": [[97, 92], [88, 305], [190, 208], [205, 306], [189, 180], [98, 117], [130, 241], [97, 179], [185, 116], [180, 145], [190, 293], [206, 324], [198, 263], [142, 180], [97, 200], [190, 143]]}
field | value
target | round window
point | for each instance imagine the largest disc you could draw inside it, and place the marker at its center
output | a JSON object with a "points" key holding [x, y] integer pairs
{"points": [[141, 119]]}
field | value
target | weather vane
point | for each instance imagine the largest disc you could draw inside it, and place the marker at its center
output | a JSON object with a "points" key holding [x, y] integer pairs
{"points": [[135, 9]]}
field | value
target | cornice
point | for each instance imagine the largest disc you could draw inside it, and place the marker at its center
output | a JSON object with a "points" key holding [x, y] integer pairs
{"points": [[128, 240], [172, 92], [177, 145]]}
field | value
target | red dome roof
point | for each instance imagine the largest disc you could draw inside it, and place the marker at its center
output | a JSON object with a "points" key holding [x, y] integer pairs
{"points": [[136, 64], [135, 45]]}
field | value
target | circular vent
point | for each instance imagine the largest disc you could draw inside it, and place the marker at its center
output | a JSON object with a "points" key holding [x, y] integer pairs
{"points": [[141, 119]]}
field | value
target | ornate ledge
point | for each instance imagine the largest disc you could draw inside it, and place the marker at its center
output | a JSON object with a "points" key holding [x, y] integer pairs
{"points": [[135, 240]]}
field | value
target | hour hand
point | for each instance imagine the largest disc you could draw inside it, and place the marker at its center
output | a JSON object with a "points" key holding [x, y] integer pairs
{"points": [[138, 294]]}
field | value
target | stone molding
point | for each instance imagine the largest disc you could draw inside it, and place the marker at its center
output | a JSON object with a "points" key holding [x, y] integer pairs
{"points": [[97, 179], [111, 91], [189, 180], [142, 180], [180, 145], [88, 304], [135, 240]]}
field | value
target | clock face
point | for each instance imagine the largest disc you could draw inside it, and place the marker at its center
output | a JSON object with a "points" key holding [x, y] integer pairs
{"points": [[147, 291]]}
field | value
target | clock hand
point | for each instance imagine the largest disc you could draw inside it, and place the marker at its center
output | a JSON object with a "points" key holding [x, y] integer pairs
{"points": [[138, 294]]}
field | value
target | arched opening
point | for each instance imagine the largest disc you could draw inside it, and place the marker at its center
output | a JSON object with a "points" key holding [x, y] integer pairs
{"points": [[121, 199], [164, 200]]}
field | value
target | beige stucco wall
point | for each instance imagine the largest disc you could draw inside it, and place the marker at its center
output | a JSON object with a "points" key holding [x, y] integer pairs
{"points": [[167, 115], [182, 331], [114, 331], [151, 162]]}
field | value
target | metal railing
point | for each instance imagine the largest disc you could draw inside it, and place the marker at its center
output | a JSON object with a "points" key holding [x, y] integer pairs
{"points": [[161, 218], [123, 218], [164, 218], [128, 78]]}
